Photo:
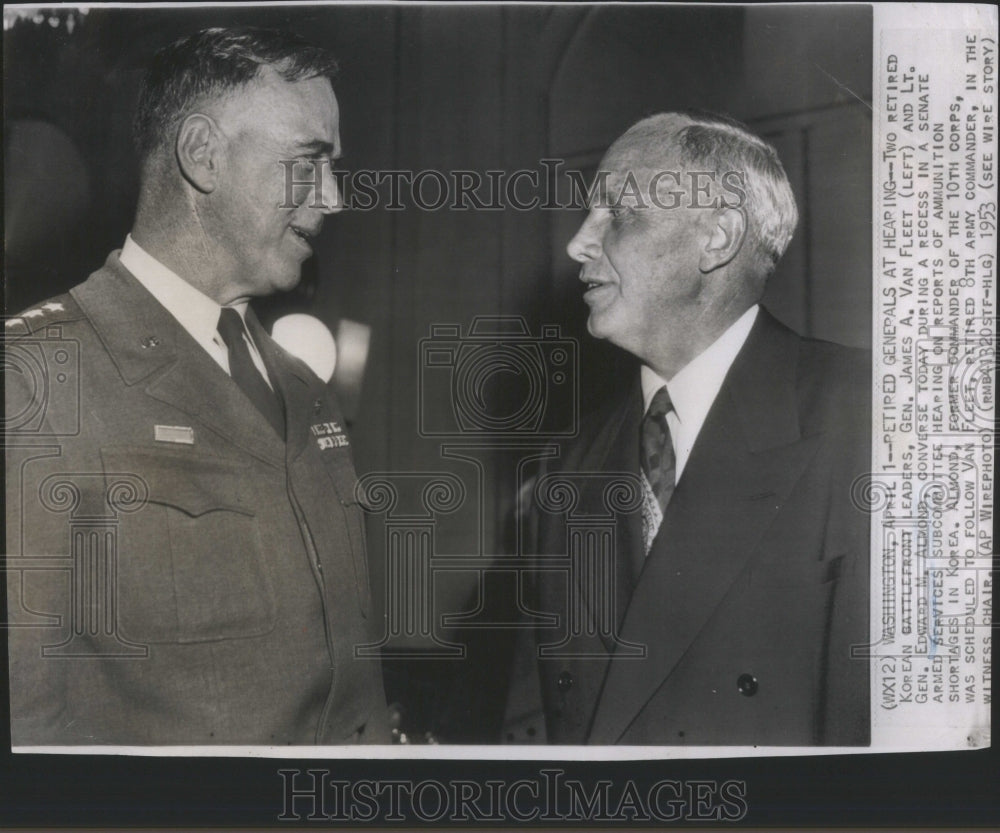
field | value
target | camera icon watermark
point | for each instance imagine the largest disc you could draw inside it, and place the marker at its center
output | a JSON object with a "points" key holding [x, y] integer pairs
{"points": [[42, 381], [498, 380], [499, 399]]}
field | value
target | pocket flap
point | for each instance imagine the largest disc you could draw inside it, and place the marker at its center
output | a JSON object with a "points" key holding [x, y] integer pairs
{"points": [[194, 483], [799, 574]]}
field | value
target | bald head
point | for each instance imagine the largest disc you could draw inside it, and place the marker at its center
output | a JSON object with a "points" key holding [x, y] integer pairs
{"points": [[650, 142], [740, 167]]}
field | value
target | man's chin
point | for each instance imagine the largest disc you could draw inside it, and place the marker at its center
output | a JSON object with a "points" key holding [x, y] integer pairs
{"points": [[598, 326], [286, 281]]}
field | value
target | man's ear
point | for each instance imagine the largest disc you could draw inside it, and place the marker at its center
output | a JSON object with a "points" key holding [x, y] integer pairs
{"points": [[199, 146], [727, 231]]}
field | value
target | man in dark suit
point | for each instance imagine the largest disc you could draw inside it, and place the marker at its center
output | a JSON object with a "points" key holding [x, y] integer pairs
{"points": [[186, 559], [738, 587]]}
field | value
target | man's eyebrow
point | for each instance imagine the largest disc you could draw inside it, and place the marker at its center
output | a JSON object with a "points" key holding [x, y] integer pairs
{"points": [[317, 148], [601, 190]]}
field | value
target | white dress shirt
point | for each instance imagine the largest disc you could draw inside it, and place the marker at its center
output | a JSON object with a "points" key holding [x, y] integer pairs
{"points": [[194, 311], [694, 388]]}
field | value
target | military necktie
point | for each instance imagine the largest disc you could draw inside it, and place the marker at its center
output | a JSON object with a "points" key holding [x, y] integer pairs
{"points": [[658, 463], [245, 372]]}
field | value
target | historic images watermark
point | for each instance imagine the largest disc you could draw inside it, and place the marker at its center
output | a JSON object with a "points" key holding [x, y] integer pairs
{"points": [[527, 189], [320, 795]]}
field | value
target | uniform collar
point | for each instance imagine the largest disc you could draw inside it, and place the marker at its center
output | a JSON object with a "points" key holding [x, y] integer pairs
{"points": [[193, 309]]}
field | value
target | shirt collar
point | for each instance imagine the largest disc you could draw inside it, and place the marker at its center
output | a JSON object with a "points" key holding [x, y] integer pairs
{"points": [[194, 310], [694, 388]]}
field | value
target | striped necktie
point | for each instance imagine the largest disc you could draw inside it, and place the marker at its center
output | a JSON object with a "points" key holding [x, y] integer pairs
{"points": [[658, 463]]}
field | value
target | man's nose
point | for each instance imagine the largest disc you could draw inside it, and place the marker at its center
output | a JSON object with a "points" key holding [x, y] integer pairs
{"points": [[586, 243], [334, 203], [329, 200]]}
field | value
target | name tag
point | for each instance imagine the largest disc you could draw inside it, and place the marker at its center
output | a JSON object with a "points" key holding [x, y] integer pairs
{"points": [[182, 434], [329, 435]]}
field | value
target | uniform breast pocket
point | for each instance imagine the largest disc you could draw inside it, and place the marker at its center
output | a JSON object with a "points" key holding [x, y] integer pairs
{"points": [[190, 563]]}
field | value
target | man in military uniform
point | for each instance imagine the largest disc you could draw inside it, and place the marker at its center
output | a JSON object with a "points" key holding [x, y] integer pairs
{"points": [[186, 557]]}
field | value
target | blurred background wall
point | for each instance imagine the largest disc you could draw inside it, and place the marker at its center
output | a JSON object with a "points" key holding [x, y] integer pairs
{"points": [[447, 88]]}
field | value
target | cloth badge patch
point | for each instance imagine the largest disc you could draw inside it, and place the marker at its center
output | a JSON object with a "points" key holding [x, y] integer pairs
{"points": [[329, 435]]}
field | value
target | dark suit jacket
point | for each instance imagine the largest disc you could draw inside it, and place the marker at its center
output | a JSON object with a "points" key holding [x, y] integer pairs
{"points": [[239, 558], [756, 587]]}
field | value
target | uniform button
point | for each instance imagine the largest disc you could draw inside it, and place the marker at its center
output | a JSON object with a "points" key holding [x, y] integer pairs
{"points": [[746, 684], [565, 681]]}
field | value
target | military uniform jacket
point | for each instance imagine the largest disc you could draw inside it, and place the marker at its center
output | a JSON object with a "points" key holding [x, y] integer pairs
{"points": [[747, 623], [177, 572]]}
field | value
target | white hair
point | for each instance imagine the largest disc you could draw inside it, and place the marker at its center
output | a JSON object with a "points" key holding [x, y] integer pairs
{"points": [[718, 143]]}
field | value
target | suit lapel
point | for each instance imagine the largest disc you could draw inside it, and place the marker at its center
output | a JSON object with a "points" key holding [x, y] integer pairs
{"points": [[147, 344], [614, 450], [747, 458]]}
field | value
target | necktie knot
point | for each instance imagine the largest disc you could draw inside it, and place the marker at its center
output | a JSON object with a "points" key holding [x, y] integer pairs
{"points": [[660, 405], [231, 328]]}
